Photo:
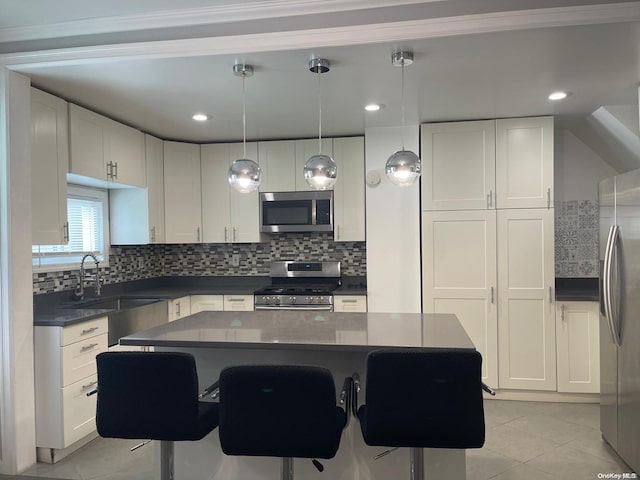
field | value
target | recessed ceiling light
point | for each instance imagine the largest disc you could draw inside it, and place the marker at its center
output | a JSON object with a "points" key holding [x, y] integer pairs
{"points": [[200, 117], [558, 96], [373, 107]]}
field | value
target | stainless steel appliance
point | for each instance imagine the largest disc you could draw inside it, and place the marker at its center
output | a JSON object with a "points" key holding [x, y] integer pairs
{"points": [[299, 286], [619, 199], [296, 212]]}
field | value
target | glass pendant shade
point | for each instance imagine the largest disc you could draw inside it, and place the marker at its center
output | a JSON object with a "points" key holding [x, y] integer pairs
{"points": [[320, 172], [244, 175], [403, 168]]}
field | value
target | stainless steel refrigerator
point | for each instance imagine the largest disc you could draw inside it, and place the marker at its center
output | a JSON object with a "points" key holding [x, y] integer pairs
{"points": [[619, 199]]}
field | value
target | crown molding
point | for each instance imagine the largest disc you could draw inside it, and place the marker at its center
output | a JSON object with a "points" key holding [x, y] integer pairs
{"points": [[224, 13], [332, 37]]}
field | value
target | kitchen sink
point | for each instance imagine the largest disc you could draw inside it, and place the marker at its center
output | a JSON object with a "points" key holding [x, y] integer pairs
{"points": [[127, 315]]}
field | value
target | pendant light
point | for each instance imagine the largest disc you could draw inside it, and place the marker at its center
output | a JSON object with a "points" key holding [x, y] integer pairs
{"points": [[320, 171], [403, 167], [244, 174]]}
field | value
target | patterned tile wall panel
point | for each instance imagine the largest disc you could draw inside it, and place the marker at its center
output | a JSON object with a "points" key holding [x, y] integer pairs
{"points": [[150, 261], [576, 239]]}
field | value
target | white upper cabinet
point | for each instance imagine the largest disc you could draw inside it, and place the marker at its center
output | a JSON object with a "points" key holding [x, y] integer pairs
{"points": [[526, 321], [103, 149], [137, 214], [277, 160], [524, 162], [305, 149], [183, 202], [348, 192], [458, 171], [49, 166], [460, 276], [228, 216]]}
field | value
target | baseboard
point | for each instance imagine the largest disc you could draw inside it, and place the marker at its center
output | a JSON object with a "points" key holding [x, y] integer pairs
{"points": [[539, 396], [54, 455]]}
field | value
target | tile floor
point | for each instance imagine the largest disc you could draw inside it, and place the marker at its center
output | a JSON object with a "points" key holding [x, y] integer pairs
{"points": [[525, 441]]}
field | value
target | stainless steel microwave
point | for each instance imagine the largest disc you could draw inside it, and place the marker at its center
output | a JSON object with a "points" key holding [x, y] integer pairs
{"points": [[296, 212]]}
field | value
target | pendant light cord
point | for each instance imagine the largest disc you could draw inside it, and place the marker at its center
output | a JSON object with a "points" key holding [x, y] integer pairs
{"points": [[319, 115], [402, 102], [244, 120]]}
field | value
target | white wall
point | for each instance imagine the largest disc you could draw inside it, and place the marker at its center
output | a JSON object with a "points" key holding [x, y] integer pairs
{"points": [[393, 228], [578, 169], [17, 419]]}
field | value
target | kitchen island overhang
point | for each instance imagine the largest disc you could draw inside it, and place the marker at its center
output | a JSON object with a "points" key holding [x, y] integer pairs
{"points": [[337, 341]]}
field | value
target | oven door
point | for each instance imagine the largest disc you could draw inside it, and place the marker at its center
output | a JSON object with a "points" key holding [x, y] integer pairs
{"points": [[299, 308]]}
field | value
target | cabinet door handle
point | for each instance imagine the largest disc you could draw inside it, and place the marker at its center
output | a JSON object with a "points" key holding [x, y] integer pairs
{"points": [[492, 298], [548, 198], [337, 232], [226, 236], [153, 234], [234, 233], [349, 300], [89, 385], [550, 294], [562, 310], [490, 199], [236, 299], [198, 233], [109, 175], [115, 169], [65, 231], [89, 347], [178, 309], [89, 330]]}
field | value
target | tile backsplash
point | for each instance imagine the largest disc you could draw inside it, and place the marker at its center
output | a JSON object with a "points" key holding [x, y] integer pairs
{"points": [[138, 262], [576, 238]]}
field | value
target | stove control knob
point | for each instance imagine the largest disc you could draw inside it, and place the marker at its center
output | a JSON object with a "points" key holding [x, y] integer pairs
{"points": [[292, 299], [310, 299]]}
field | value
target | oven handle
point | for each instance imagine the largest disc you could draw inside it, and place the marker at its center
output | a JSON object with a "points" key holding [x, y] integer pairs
{"points": [[324, 308]]}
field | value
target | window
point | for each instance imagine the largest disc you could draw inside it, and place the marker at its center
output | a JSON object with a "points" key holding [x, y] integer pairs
{"points": [[87, 214]]}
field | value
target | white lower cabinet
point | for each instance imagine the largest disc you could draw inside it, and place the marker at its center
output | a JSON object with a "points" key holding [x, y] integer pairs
{"points": [[204, 303], [526, 309], [179, 308], [65, 371], [349, 303], [238, 303], [578, 347]]}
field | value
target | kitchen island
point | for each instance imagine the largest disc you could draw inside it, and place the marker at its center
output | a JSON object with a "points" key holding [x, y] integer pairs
{"points": [[337, 341]]}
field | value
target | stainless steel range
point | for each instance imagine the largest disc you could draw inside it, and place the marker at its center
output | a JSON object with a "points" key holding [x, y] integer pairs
{"points": [[299, 286]]}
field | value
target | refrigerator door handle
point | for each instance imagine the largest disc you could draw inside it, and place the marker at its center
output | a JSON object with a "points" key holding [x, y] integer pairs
{"points": [[607, 283], [614, 294]]}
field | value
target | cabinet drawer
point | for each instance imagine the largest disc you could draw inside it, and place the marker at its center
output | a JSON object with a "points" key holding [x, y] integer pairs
{"points": [[349, 303], [79, 359], [210, 303], [80, 331], [78, 410], [238, 303]]}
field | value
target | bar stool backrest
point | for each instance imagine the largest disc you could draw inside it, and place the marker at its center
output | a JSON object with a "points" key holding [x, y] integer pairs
{"points": [[429, 398]]}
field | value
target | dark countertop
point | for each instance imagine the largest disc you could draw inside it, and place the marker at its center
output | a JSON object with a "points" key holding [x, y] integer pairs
{"points": [[49, 309], [577, 289]]}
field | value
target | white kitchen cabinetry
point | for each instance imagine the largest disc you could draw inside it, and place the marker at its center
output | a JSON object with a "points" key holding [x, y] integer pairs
{"points": [[458, 165], [526, 318], [488, 164], [348, 192], [305, 149], [277, 159], [179, 308], [349, 303], [228, 216], [103, 149], [238, 303], [137, 214], [207, 303], [65, 371], [524, 162], [578, 348], [49, 167], [183, 202], [460, 276]]}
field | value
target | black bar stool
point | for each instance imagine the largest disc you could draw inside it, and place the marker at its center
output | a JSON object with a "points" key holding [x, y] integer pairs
{"points": [[422, 398], [154, 396], [282, 411]]}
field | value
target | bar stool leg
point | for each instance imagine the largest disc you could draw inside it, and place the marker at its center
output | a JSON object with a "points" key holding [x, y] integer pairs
{"points": [[416, 457], [166, 460], [286, 472]]}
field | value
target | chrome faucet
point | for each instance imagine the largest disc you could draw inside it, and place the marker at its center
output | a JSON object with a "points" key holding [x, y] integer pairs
{"points": [[85, 277]]}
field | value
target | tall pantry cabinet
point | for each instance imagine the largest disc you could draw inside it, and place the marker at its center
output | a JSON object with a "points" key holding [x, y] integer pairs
{"points": [[488, 242]]}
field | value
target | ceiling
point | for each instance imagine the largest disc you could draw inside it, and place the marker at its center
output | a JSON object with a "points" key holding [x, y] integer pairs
{"points": [[473, 76]]}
